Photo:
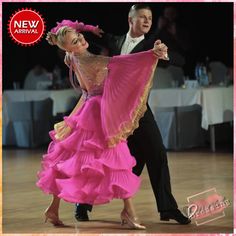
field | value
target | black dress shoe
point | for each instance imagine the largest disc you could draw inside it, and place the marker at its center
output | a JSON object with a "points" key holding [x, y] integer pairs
{"points": [[175, 215], [81, 212]]}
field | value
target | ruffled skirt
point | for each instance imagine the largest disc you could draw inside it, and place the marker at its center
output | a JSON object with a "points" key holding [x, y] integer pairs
{"points": [[82, 168]]}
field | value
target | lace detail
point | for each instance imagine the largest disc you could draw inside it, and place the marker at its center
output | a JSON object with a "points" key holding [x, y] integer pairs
{"points": [[91, 71]]}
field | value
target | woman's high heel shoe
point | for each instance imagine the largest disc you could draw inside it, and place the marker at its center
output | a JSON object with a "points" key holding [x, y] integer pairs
{"points": [[53, 218], [130, 221]]}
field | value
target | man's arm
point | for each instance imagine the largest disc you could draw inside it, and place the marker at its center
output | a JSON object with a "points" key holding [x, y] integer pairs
{"points": [[108, 41]]}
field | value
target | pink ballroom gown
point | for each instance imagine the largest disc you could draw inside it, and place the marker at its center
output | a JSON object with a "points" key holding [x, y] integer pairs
{"points": [[93, 163]]}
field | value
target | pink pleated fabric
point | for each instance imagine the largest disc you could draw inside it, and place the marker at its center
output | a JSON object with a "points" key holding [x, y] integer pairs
{"points": [[125, 97], [83, 167]]}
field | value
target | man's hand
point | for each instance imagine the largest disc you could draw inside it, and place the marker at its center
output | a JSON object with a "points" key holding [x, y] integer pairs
{"points": [[62, 130], [160, 50]]}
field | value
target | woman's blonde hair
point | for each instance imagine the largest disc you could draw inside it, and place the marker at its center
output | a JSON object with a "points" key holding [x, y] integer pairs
{"points": [[59, 36]]}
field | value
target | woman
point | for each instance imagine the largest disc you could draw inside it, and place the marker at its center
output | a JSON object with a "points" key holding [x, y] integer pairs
{"points": [[88, 160]]}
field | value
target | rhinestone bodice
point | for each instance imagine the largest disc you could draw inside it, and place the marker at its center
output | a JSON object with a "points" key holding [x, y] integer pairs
{"points": [[91, 71]]}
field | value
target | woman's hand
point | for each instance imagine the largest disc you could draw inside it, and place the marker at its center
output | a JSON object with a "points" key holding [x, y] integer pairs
{"points": [[97, 31], [51, 38], [160, 50], [62, 130]]}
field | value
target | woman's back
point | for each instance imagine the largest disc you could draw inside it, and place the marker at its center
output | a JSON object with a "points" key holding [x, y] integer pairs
{"points": [[91, 71]]}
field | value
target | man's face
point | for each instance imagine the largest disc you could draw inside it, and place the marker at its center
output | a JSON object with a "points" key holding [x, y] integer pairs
{"points": [[141, 22]]}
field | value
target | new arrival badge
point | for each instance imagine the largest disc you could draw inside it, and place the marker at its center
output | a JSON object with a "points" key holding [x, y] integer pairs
{"points": [[26, 27]]}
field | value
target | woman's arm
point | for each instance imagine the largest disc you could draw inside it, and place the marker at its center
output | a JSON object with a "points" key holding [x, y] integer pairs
{"points": [[64, 128], [160, 50], [78, 105]]}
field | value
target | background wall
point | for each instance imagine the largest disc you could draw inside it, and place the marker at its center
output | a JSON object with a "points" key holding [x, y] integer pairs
{"points": [[210, 26]]}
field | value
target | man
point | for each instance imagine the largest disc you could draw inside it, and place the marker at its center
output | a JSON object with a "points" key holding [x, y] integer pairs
{"points": [[146, 142]]}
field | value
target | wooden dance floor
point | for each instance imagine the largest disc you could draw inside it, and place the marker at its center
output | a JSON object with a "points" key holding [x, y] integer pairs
{"points": [[191, 172]]}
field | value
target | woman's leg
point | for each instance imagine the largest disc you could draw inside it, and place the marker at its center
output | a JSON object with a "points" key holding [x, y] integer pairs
{"points": [[129, 207], [52, 211], [54, 206], [128, 215]]}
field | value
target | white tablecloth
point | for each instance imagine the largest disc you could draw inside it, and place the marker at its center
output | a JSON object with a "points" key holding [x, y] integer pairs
{"points": [[216, 102], [62, 99]]}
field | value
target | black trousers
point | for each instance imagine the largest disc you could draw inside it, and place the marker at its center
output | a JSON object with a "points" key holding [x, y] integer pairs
{"points": [[147, 147]]}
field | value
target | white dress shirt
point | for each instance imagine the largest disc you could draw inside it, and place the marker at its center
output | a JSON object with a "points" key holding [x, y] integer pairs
{"points": [[130, 43]]}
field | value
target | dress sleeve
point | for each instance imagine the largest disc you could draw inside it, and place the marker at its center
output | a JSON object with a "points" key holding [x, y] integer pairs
{"points": [[125, 94]]}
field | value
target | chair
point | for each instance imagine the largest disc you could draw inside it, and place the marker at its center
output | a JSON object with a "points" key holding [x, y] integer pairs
{"points": [[162, 78], [189, 131], [218, 72], [8, 135], [166, 120], [31, 122], [42, 121], [177, 74], [20, 119], [180, 127]]}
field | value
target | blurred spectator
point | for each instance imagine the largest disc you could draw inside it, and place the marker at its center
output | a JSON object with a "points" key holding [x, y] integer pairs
{"points": [[37, 78], [64, 73], [174, 35], [60, 72]]}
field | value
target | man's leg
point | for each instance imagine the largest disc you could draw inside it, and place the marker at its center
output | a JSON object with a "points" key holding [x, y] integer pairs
{"points": [[157, 165], [81, 211], [136, 150], [151, 151]]}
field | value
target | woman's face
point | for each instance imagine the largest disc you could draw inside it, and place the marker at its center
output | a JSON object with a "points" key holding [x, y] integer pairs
{"points": [[75, 43]]}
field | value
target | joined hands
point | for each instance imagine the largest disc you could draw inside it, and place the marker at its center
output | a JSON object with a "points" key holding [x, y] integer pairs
{"points": [[160, 50]]}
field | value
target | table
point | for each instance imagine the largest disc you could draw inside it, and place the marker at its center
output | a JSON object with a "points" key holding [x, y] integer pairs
{"points": [[62, 99], [17, 133], [216, 103]]}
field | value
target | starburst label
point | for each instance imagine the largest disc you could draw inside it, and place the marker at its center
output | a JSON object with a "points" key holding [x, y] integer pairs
{"points": [[26, 27]]}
